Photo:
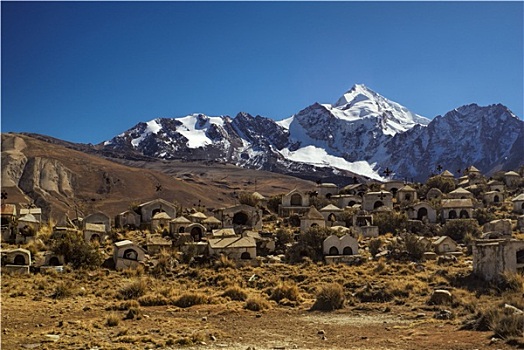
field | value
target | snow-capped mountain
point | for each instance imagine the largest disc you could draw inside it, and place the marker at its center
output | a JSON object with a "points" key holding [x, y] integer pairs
{"points": [[491, 138], [361, 134], [354, 127]]}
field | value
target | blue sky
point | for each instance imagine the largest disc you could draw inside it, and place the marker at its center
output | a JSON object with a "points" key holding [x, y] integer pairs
{"points": [[87, 71]]}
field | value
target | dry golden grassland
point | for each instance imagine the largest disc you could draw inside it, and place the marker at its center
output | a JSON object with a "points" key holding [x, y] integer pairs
{"points": [[379, 304]]}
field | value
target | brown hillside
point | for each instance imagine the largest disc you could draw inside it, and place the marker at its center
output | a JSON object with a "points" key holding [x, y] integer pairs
{"points": [[63, 180]]}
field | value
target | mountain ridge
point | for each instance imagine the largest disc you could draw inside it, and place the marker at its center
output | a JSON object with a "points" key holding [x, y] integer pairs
{"points": [[361, 134]]}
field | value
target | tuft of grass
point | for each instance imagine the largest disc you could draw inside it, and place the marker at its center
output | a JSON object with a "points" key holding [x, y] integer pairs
{"points": [[40, 282], [511, 281], [63, 290], [193, 339], [330, 297], [133, 290], [506, 324], [153, 300], [256, 303], [235, 293], [381, 268], [223, 263], [134, 272], [190, 299], [35, 246], [165, 263], [287, 291], [112, 320]]}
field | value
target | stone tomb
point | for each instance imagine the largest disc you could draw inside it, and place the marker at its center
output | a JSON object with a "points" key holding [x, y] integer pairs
{"points": [[491, 258], [127, 254], [337, 249], [16, 261]]}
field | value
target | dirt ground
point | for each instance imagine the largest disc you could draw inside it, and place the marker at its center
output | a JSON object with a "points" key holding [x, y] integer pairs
{"points": [[29, 324], [33, 319]]}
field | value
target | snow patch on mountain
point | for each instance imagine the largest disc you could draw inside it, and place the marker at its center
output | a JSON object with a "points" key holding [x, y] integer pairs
{"points": [[320, 158], [194, 129], [285, 122], [152, 127]]}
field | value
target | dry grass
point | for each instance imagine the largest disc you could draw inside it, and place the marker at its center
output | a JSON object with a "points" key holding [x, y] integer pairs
{"points": [[134, 289], [35, 246], [63, 290], [510, 281], [235, 293], [285, 292], [223, 262], [405, 288], [508, 324], [381, 267], [112, 320], [191, 299], [330, 297], [256, 303], [133, 272], [153, 300]]}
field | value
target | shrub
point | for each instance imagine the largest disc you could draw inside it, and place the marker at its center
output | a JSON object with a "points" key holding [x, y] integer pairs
{"points": [[374, 246], [390, 222], [247, 199], [235, 293], [133, 271], [300, 253], [274, 202], [505, 323], [190, 299], [414, 247], [330, 297], [27, 231], [483, 216], [190, 340], [189, 254], [134, 289], [35, 246], [311, 242], [256, 303], [445, 185], [287, 291], [294, 220], [319, 202], [460, 229], [283, 237], [76, 251], [347, 217], [381, 268]]}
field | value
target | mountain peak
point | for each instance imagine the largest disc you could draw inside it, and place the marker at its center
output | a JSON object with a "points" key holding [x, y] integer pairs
{"points": [[360, 102], [358, 92]]}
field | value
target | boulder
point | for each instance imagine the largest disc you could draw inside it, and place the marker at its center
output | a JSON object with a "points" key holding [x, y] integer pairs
{"points": [[440, 297]]}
